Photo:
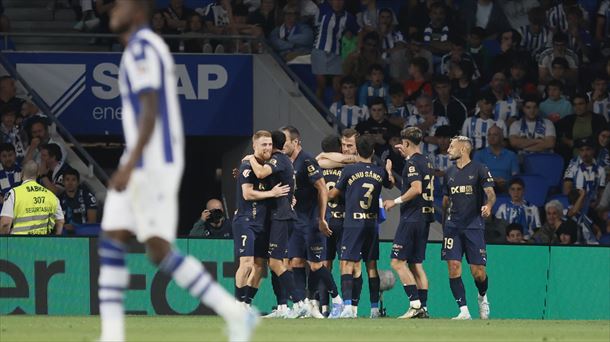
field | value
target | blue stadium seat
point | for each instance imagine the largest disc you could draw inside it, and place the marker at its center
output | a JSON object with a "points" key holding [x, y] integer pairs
{"points": [[548, 165], [536, 188], [500, 199], [561, 198]]}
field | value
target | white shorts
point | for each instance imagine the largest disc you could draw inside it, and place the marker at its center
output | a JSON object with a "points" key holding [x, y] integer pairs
{"points": [[148, 207]]}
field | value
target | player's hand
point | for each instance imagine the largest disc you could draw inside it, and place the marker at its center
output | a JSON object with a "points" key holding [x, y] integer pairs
{"points": [[34, 143], [205, 215], [388, 166], [120, 178], [294, 202], [323, 226], [401, 149], [280, 190], [321, 156], [388, 204], [485, 211]]}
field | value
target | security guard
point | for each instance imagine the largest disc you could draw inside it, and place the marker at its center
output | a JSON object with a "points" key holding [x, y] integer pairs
{"points": [[31, 209]]}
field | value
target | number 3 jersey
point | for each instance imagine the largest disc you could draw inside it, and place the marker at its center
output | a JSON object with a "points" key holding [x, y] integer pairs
{"points": [[466, 195], [421, 208], [361, 185]]}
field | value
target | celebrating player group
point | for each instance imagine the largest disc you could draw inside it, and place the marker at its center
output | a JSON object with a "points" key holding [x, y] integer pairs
{"points": [[296, 213]]}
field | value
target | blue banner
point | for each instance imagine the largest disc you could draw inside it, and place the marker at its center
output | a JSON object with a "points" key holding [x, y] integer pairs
{"points": [[215, 91]]}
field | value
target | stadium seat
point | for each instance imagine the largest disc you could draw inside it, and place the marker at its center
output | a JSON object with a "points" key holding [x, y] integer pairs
{"points": [[536, 188], [548, 165], [561, 198], [500, 199]]}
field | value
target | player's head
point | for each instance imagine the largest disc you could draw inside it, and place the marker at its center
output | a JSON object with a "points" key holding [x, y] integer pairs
{"points": [[331, 143], [262, 144], [30, 170], [293, 140], [129, 13], [459, 148], [411, 137], [516, 189], [278, 138], [71, 179], [348, 141], [514, 233], [365, 147], [8, 157]]}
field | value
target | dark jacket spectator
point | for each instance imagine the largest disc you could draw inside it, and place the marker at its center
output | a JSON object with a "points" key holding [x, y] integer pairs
{"points": [[483, 13]]}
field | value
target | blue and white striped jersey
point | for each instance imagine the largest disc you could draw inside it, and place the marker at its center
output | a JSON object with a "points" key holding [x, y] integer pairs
{"points": [[476, 129], [349, 116], [331, 27], [146, 66], [524, 214]]}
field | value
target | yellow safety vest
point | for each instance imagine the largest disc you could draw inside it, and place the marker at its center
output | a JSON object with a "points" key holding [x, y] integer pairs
{"points": [[34, 211]]}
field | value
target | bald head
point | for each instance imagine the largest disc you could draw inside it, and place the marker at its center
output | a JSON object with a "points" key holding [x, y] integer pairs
{"points": [[30, 170], [495, 136], [214, 204]]}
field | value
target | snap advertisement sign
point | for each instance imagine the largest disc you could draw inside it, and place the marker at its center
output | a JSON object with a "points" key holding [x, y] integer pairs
{"points": [[215, 92]]}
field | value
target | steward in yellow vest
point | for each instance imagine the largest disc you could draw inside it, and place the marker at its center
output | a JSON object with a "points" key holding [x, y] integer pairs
{"points": [[31, 209]]}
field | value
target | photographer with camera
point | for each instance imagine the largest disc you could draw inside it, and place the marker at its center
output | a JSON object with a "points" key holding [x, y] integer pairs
{"points": [[212, 223]]}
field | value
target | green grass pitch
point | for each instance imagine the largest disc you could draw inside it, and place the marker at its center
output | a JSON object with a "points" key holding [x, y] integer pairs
{"points": [[189, 328]]}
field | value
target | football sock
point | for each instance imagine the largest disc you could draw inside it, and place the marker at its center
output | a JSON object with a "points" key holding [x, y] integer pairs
{"points": [[347, 286], [299, 281], [411, 291], [249, 294], [374, 284], [190, 275], [327, 279], [324, 298], [277, 290], [313, 282], [482, 286], [423, 297], [287, 283], [357, 290], [113, 281], [457, 288], [240, 293]]}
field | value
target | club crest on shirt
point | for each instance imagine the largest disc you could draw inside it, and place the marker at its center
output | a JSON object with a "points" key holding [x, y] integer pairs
{"points": [[246, 173]]}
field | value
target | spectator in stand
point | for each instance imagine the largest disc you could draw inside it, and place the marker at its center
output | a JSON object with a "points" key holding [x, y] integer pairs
{"points": [[476, 127], [532, 133], [448, 105], [554, 219], [8, 92], [458, 54], [29, 113], [428, 121], [505, 107], [358, 64], [418, 16], [514, 233], [440, 158], [38, 130], [213, 222], [347, 110], [511, 51], [501, 162], [417, 85], [584, 173], [462, 86], [266, 17], [485, 14], [102, 10], [518, 210], [292, 38], [193, 41], [78, 203], [587, 230], [240, 26], [177, 16], [557, 15], [417, 48], [217, 18], [479, 52], [602, 27], [392, 153], [368, 17], [520, 82], [399, 111], [536, 36], [158, 23], [567, 234], [603, 154], [5, 26], [583, 123], [393, 43], [374, 86], [326, 53], [436, 33], [559, 49], [556, 106], [10, 174], [378, 126], [51, 169], [579, 37], [599, 96], [9, 132], [559, 68]]}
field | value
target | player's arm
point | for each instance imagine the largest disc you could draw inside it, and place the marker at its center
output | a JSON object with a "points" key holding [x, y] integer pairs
{"points": [[59, 219], [329, 164], [337, 157], [5, 224], [414, 191], [320, 185], [261, 171], [491, 199], [148, 102], [6, 216], [334, 194], [445, 207], [250, 194]]}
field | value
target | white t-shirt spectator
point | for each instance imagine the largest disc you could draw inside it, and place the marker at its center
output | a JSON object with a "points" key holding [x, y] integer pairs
{"points": [[547, 56], [541, 128]]}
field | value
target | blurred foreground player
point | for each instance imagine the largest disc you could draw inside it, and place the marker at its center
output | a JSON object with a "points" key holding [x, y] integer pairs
{"points": [[154, 155], [468, 183]]}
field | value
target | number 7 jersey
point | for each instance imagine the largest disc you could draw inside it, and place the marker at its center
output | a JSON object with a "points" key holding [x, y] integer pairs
{"points": [[421, 208], [361, 185]]}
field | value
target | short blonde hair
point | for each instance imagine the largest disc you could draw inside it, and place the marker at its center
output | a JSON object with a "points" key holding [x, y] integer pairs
{"points": [[261, 134]]}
